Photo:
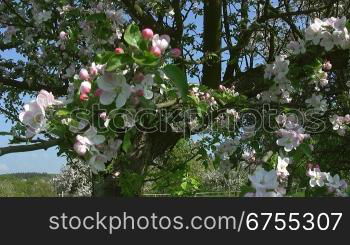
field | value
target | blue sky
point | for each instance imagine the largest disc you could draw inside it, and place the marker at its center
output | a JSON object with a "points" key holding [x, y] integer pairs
{"points": [[36, 161]]}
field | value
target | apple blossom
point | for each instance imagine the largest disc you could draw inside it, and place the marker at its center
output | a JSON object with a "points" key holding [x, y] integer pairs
{"points": [[114, 88], [175, 52], [33, 118], [160, 42], [340, 123], [327, 41], [88, 140], [46, 99], [63, 36], [156, 51], [282, 164], [84, 74], [146, 87], [119, 51], [97, 163], [297, 47], [291, 138], [327, 66], [103, 116], [317, 178], [96, 69], [317, 102], [111, 149], [85, 87], [84, 97], [313, 32], [80, 148], [147, 34], [263, 181], [249, 155], [335, 183]]}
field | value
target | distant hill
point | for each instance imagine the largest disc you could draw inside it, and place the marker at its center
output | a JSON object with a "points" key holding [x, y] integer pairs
{"points": [[26, 185], [28, 175]]}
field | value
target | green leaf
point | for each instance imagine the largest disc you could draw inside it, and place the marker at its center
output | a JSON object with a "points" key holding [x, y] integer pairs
{"points": [[132, 35], [184, 185], [146, 59], [202, 109], [307, 151], [102, 58], [246, 189], [298, 194], [117, 61], [126, 146], [178, 77], [62, 113]]}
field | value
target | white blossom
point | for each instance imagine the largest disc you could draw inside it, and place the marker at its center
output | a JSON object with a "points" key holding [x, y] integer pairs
{"points": [[114, 88]]}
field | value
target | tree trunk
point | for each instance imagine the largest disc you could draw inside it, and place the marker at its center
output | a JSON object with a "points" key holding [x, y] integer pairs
{"points": [[133, 168], [212, 43]]}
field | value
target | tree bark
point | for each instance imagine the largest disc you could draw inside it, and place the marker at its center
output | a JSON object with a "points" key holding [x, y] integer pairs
{"points": [[212, 43], [148, 146]]}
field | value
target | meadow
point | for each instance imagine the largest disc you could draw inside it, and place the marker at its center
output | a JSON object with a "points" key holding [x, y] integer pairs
{"points": [[26, 185]]}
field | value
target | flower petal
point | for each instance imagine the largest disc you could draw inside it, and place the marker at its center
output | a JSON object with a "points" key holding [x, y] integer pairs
{"points": [[148, 94], [121, 100], [98, 139], [107, 97], [108, 82]]}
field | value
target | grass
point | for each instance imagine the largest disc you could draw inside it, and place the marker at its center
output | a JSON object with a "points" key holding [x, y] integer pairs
{"points": [[26, 185]]}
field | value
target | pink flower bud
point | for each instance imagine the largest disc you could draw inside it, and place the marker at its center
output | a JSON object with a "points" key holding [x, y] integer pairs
{"points": [[310, 166], [147, 34], [93, 71], [327, 66], [175, 52], [138, 77], [85, 87], [317, 166], [98, 92], [156, 51], [63, 35], [84, 97], [84, 75], [119, 51], [103, 116], [80, 149]]}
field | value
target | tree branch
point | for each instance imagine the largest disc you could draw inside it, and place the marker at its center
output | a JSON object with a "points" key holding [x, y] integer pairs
{"points": [[145, 19], [58, 91], [25, 148]]}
